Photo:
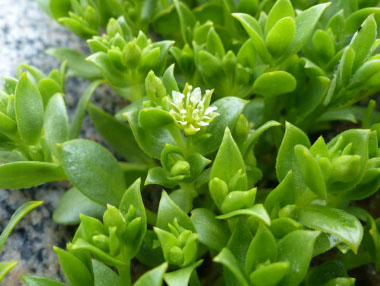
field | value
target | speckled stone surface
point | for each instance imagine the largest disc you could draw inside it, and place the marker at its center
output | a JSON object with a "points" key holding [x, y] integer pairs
{"points": [[25, 33]]}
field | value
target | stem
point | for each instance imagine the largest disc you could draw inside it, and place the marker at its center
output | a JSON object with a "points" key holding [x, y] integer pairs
{"points": [[178, 138], [125, 274]]}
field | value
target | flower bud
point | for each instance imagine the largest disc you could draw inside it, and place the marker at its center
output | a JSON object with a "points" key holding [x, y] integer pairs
{"points": [[345, 168], [180, 168], [132, 55], [241, 129], [101, 241], [238, 200], [155, 89], [113, 218], [218, 190], [176, 256], [113, 28]]}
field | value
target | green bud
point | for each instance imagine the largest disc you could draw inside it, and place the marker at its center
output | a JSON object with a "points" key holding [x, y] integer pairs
{"points": [[113, 218], [133, 229], [187, 58], [36, 153], [218, 190], [132, 55], [155, 89], [183, 237], [101, 241], [180, 168], [241, 129], [229, 63], [131, 214], [91, 17], [238, 200], [176, 256], [114, 242], [345, 168], [150, 58], [113, 28], [142, 40]]}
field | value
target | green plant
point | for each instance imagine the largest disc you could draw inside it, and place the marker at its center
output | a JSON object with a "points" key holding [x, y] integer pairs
{"points": [[268, 206]]}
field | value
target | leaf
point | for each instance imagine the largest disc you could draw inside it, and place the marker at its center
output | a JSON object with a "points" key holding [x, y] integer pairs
{"points": [[281, 36], [132, 197], [159, 176], [118, 135], [48, 87], [305, 23], [26, 174], [281, 9], [282, 195], [159, 136], [286, 158], [60, 8], [168, 210], [310, 171], [39, 281], [186, 19], [93, 170], [239, 242], [274, 83], [29, 111], [262, 248], [228, 161], [76, 61], [334, 221], [5, 268], [56, 126], [153, 277], [303, 242], [229, 109], [73, 203], [152, 118], [226, 258], [253, 29], [76, 122], [270, 274], [75, 272], [257, 211], [181, 277], [212, 232], [103, 275], [169, 81]]}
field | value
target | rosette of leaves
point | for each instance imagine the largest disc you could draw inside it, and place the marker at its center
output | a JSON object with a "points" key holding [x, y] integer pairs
{"points": [[125, 61], [86, 18], [33, 120]]}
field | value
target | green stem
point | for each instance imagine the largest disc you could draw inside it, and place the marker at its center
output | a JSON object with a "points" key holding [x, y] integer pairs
{"points": [[178, 138], [125, 274]]}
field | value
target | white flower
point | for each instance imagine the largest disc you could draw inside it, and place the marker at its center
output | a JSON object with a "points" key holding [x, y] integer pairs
{"points": [[191, 110]]}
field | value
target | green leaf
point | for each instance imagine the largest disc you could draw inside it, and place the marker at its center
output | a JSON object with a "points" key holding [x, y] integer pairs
{"points": [[118, 135], [280, 36], [274, 83], [262, 248], [153, 277], [181, 277], [212, 232], [144, 138], [5, 268], [310, 171], [39, 281], [270, 274], [363, 41], [159, 176], [280, 10], [93, 170], [75, 272], [132, 197], [29, 111], [76, 122], [229, 155], [257, 211], [60, 8], [282, 195], [303, 242], [186, 19], [48, 87], [26, 174], [103, 275], [169, 81], [73, 203], [226, 258], [305, 23], [168, 210], [152, 118], [253, 29], [56, 126], [76, 61], [335, 221], [286, 158], [229, 109]]}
